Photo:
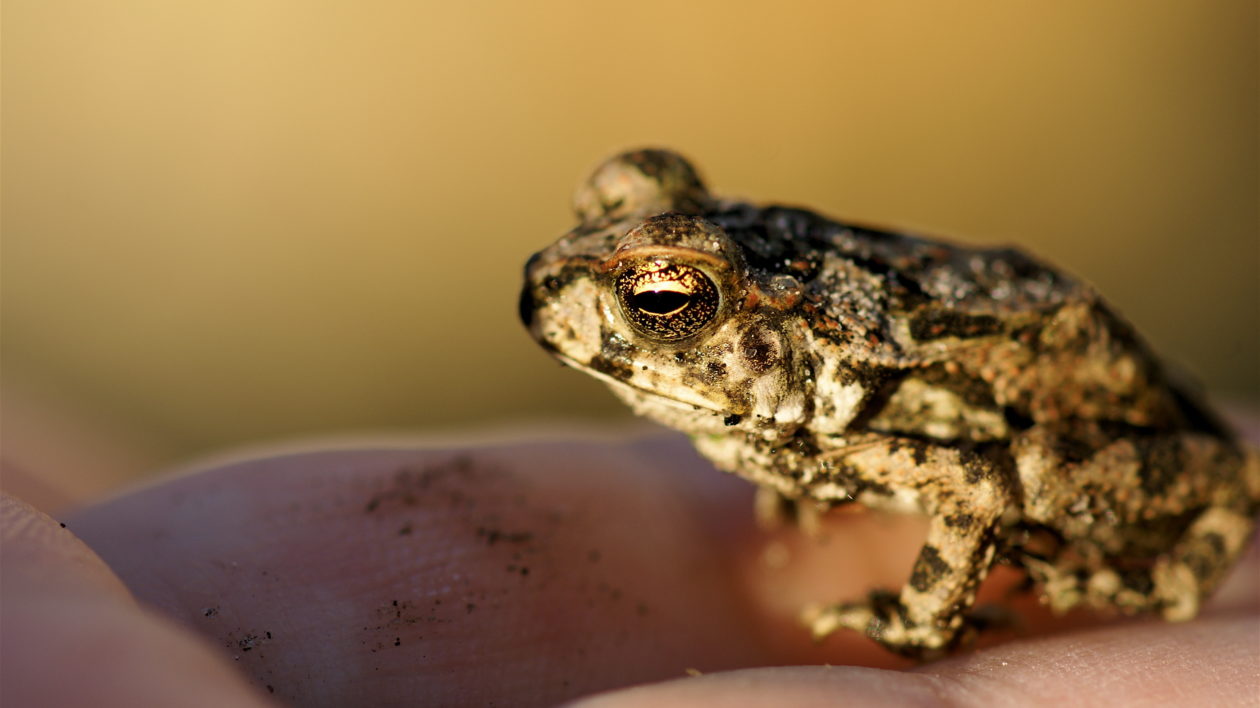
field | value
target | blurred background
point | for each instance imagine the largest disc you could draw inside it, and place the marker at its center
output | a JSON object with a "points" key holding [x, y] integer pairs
{"points": [[248, 220]]}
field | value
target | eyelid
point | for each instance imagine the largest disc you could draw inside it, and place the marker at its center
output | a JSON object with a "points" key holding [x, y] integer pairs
{"points": [[665, 254]]}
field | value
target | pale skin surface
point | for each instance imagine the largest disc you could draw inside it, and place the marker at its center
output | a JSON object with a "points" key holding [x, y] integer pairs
{"points": [[524, 574]]}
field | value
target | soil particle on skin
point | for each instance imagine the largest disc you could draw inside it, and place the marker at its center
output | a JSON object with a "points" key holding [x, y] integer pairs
{"points": [[409, 486], [401, 613], [243, 644], [492, 536], [497, 519], [613, 593]]}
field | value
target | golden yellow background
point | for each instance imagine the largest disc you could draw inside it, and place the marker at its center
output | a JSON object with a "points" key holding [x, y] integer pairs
{"points": [[230, 221]]}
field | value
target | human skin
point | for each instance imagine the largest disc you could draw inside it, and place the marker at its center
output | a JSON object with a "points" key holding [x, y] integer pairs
{"points": [[526, 573]]}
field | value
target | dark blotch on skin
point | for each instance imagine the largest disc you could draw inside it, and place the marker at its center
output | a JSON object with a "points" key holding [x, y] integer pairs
{"points": [[804, 443], [919, 451], [1137, 579], [879, 383], [973, 390], [928, 569], [882, 490], [615, 357], [960, 520], [935, 323], [758, 350], [990, 461], [777, 235], [1017, 419], [655, 163], [1161, 465], [885, 606], [616, 369], [1207, 557], [1216, 541], [854, 482], [1072, 449]]}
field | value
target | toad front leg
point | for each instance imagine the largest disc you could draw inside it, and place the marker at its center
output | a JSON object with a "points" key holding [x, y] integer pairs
{"points": [[965, 494]]}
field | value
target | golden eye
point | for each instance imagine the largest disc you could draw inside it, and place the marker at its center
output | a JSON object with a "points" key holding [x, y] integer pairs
{"points": [[667, 301]]}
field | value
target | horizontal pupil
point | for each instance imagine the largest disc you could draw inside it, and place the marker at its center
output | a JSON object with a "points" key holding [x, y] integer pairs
{"points": [[661, 302]]}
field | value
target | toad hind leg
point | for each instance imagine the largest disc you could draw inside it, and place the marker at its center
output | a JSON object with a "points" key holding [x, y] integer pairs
{"points": [[1136, 562], [965, 495], [1207, 550], [1199, 561], [1174, 584]]}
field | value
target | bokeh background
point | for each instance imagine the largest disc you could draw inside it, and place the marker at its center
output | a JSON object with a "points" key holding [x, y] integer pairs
{"points": [[246, 220]]}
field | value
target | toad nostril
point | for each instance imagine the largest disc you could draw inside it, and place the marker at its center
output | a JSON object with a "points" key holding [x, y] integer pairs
{"points": [[526, 306]]}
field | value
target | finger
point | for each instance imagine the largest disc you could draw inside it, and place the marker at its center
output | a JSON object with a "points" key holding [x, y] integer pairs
{"points": [[1208, 662], [403, 575], [74, 636], [523, 574], [575, 567]]}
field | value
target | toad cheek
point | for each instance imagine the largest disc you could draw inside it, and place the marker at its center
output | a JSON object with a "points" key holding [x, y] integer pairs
{"points": [[566, 322]]}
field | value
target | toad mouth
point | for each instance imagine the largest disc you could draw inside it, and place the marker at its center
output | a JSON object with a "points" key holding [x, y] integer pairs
{"points": [[638, 390]]}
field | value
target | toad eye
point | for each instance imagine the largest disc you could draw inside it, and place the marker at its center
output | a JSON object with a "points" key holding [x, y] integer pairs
{"points": [[667, 301]]}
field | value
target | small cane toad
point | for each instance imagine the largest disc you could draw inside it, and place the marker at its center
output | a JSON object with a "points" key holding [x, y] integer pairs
{"points": [[831, 363]]}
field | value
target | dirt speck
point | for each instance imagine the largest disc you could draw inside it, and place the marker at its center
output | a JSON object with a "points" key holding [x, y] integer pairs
{"points": [[492, 536], [409, 486]]}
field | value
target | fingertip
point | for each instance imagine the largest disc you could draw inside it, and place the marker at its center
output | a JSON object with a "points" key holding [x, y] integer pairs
{"points": [[797, 686], [1210, 661], [1203, 663], [41, 553], [73, 635]]}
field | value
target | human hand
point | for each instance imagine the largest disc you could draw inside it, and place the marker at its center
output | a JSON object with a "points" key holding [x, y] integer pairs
{"points": [[524, 574]]}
